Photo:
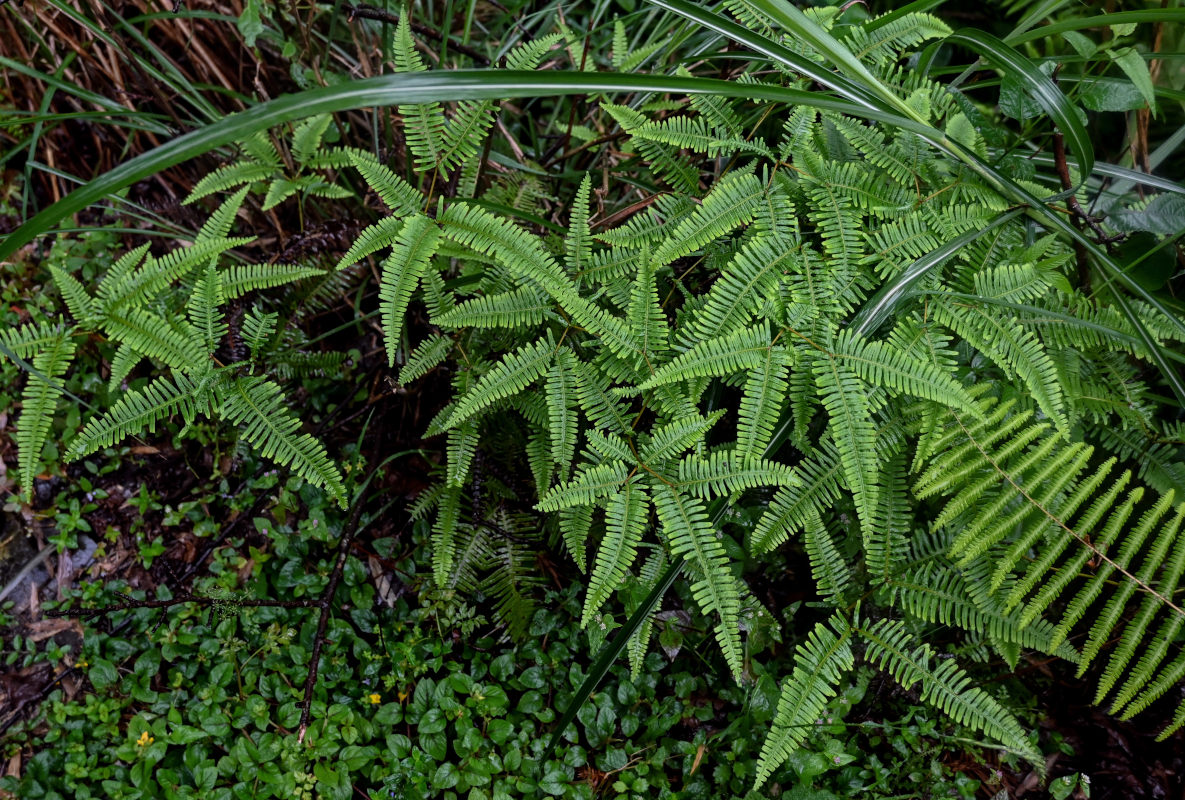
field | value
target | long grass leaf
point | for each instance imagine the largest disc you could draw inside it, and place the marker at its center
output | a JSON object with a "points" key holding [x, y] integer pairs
{"points": [[398, 89], [1039, 86]]}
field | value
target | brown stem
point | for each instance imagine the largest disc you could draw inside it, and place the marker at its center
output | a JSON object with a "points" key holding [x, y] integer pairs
{"points": [[90, 613], [379, 15], [325, 603]]}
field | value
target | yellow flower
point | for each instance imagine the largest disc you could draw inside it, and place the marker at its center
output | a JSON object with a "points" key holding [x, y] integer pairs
{"points": [[402, 695], [144, 739], [82, 663], [374, 699]]}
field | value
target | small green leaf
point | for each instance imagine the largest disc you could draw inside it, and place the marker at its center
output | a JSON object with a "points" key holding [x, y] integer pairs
{"points": [[1136, 68], [445, 777], [103, 673]]}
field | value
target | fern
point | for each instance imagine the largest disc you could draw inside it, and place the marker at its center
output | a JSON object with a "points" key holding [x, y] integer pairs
{"points": [[820, 662], [142, 410], [946, 686], [509, 377], [426, 357], [687, 531], [413, 250], [852, 429], [239, 279], [1070, 512], [625, 521], [267, 424], [703, 345], [38, 402]]}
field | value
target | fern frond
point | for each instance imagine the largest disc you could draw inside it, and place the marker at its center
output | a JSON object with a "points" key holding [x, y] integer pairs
{"points": [[724, 473], [761, 404], [398, 195], [307, 136], [561, 409], [731, 203], [81, 307], [625, 521], [520, 308], [523, 257], [538, 450], [218, 225], [1056, 514], [1050, 473], [886, 538], [821, 661], [693, 133], [1014, 349], [203, 309], [174, 341], [587, 485], [719, 357], [883, 365], [449, 566], [946, 686], [29, 340], [464, 133], [648, 576], [239, 279], [122, 363], [512, 574], [229, 176], [940, 593], [575, 522], [750, 277], [425, 358], [257, 406], [886, 41], [845, 397], [1133, 543], [598, 404], [423, 123], [578, 243], [258, 328], [508, 377], [461, 448], [126, 287], [663, 159], [373, 238], [645, 319], [410, 256], [820, 476], [831, 572], [669, 440], [528, 55], [1134, 634], [39, 400], [140, 411], [688, 533]]}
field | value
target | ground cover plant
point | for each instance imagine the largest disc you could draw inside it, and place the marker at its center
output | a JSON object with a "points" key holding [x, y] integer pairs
{"points": [[802, 290]]}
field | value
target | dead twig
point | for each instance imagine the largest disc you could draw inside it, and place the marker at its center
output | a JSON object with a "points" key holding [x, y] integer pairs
{"points": [[325, 602], [380, 15]]}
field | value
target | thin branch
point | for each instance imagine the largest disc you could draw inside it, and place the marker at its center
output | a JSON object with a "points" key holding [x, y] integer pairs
{"points": [[131, 604], [379, 15], [349, 531]]}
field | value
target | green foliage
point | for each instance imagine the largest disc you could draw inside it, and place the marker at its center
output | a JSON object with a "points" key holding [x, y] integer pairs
{"points": [[285, 173], [615, 353], [966, 461], [419, 695], [154, 307]]}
